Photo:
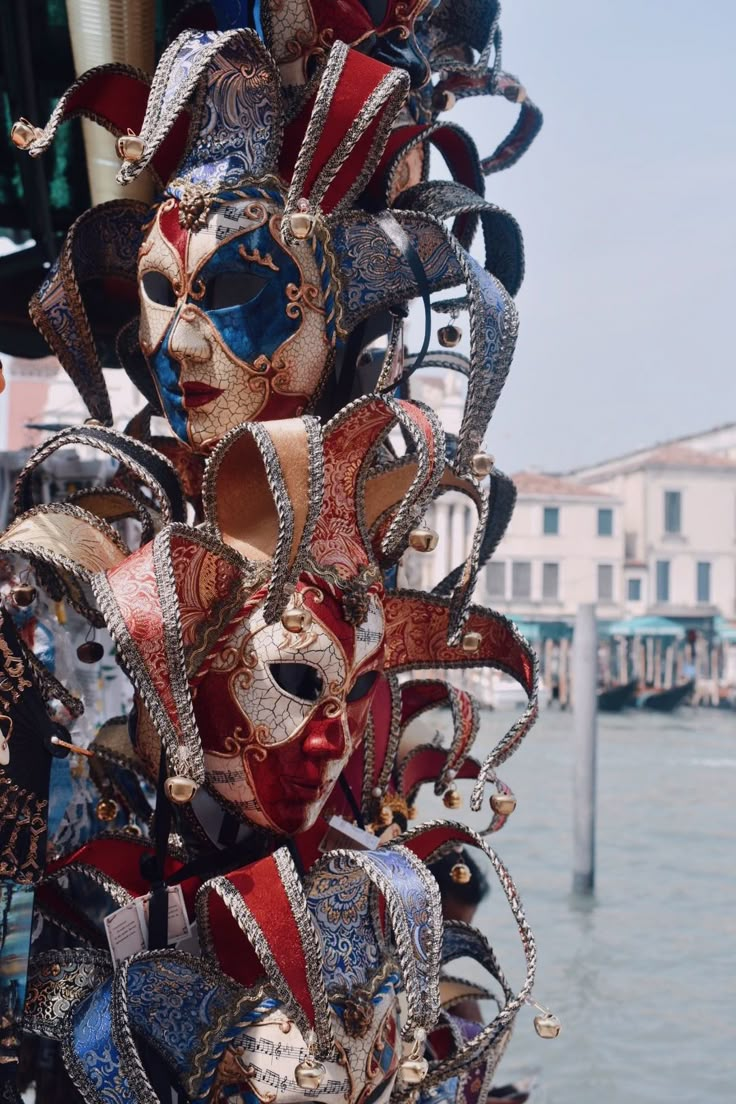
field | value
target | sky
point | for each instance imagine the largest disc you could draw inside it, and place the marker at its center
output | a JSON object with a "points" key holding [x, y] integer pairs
{"points": [[626, 201]]}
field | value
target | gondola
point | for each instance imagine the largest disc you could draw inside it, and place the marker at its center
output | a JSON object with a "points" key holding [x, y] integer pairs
{"points": [[664, 701], [615, 698]]}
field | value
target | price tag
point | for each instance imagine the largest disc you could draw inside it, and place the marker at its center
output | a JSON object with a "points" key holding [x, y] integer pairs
{"points": [[124, 931], [127, 928], [341, 833]]}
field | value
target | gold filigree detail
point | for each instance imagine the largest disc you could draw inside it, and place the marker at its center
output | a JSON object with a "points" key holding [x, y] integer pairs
{"points": [[266, 261]]}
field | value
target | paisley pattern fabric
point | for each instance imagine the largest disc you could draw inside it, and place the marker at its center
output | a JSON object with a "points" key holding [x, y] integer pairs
{"points": [[240, 129], [339, 898]]}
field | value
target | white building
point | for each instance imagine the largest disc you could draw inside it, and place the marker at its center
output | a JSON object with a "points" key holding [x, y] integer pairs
{"points": [[719, 441], [40, 394], [679, 520], [652, 531], [564, 546]]}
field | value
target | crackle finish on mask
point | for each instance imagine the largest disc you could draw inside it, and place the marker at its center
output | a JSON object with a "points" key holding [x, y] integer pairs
{"points": [[232, 321], [280, 713]]}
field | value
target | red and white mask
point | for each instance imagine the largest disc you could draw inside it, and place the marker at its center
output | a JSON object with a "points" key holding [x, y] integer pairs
{"points": [[281, 712]]}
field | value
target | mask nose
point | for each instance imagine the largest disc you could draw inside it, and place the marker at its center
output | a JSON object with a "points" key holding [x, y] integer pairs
{"points": [[187, 340], [325, 738]]}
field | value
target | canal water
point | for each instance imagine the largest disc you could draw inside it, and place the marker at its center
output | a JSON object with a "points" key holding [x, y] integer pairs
{"points": [[643, 975]]}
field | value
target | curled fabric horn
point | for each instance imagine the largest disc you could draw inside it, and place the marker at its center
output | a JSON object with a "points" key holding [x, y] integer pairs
{"points": [[240, 78], [329, 178], [418, 639], [103, 241]]}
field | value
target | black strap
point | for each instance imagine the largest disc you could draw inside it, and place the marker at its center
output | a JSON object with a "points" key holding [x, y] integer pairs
{"points": [[350, 798], [158, 913], [396, 234]]}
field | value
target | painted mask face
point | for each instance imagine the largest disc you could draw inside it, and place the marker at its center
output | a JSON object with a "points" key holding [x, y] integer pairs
{"points": [[280, 712], [232, 321]]}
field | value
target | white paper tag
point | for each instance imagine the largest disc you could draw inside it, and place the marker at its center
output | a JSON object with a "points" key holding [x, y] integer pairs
{"points": [[127, 928], [342, 833], [124, 931]]}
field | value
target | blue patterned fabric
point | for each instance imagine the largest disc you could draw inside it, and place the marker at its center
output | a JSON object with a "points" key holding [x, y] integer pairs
{"points": [[240, 126], [375, 275], [186, 1016], [339, 902], [394, 866], [96, 1071]]}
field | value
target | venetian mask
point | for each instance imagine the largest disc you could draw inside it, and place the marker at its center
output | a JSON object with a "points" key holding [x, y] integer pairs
{"points": [[281, 712], [257, 642], [232, 319]]}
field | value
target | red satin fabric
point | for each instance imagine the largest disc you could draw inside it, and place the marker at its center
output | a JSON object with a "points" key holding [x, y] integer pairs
{"points": [[265, 896]]}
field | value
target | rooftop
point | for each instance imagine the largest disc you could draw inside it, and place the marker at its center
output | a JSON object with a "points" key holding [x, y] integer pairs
{"points": [[680, 456], [646, 451], [539, 483]]}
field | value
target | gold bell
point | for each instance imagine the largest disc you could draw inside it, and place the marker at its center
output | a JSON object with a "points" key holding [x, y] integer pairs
{"points": [[24, 595], [412, 1071], [449, 336], [91, 651], [482, 464], [301, 224], [452, 798], [296, 619], [179, 789], [309, 1074], [461, 873], [23, 134], [423, 539], [547, 1026], [130, 147], [106, 810], [503, 803], [471, 642]]}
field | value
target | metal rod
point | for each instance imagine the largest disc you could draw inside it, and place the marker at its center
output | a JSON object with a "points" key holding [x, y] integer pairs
{"points": [[585, 700]]}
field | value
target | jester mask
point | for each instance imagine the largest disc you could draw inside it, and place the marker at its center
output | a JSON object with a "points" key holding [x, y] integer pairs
{"points": [[283, 240]]}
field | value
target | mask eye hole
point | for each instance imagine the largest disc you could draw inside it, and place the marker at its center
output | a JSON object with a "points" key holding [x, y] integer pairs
{"points": [[158, 289], [298, 679], [362, 686], [233, 289]]}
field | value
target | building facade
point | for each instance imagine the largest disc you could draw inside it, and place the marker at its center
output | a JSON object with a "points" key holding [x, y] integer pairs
{"points": [[564, 546], [679, 521], [649, 532]]}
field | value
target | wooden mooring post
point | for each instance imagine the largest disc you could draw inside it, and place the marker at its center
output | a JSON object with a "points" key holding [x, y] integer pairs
{"points": [[585, 707]]}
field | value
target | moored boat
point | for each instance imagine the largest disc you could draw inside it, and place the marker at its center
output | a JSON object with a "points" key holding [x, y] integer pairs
{"points": [[615, 698], [664, 701]]}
